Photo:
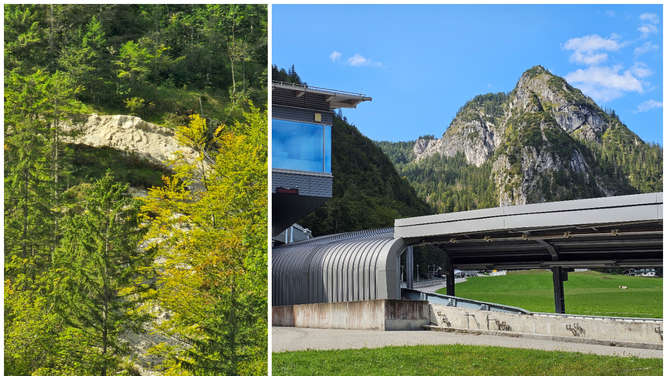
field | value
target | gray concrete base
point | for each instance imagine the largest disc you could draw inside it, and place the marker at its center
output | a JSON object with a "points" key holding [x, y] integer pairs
{"points": [[611, 331], [372, 314]]}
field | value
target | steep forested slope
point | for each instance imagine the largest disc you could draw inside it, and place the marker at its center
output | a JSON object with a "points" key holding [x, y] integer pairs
{"points": [[158, 62]]}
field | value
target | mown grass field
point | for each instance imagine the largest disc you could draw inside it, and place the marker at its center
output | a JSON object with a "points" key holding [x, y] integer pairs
{"points": [[457, 360], [586, 293]]}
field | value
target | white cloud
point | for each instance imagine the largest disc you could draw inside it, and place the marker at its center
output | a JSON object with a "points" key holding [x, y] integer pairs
{"points": [[648, 105], [594, 42], [604, 84], [357, 61], [640, 70], [588, 58], [586, 49], [649, 17], [646, 47], [650, 20], [647, 29], [335, 56]]}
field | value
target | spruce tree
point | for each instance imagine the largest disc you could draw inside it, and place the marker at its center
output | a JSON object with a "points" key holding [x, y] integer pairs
{"points": [[101, 275]]}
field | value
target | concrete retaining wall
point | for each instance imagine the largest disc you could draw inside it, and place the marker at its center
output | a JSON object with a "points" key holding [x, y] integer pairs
{"points": [[370, 314], [593, 329]]}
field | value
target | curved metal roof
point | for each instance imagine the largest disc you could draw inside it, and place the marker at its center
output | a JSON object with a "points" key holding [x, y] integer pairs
{"points": [[345, 267]]}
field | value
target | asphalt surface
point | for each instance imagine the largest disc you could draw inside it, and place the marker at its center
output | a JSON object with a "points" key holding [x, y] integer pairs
{"points": [[297, 339]]}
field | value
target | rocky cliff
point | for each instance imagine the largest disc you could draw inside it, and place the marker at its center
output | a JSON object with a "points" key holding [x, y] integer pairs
{"points": [[544, 140], [131, 134]]}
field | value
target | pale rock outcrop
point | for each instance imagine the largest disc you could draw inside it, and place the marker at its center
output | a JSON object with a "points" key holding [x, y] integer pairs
{"points": [[131, 134]]}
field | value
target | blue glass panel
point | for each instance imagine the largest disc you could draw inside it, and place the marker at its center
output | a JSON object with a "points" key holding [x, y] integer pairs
{"points": [[297, 146], [327, 149]]}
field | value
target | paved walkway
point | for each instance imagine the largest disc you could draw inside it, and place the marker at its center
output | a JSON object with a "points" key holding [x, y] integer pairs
{"points": [[437, 286], [295, 339]]}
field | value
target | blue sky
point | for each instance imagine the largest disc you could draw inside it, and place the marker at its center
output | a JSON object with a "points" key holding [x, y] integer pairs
{"points": [[421, 63]]}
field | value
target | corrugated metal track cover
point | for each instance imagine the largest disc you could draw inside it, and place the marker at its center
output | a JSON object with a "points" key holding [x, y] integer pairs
{"points": [[345, 267]]}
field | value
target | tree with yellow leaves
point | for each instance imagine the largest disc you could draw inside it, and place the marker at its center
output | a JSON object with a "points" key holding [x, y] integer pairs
{"points": [[209, 225]]}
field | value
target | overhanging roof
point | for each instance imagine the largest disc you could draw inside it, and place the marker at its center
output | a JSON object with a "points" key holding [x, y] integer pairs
{"points": [[335, 98], [621, 231]]}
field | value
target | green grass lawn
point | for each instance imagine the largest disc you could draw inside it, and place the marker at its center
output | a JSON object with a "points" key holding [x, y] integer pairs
{"points": [[457, 360], [586, 293]]}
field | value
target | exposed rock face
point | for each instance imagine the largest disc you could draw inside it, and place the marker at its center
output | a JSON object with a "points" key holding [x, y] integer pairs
{"points": [[530, 136], [132, 134]]}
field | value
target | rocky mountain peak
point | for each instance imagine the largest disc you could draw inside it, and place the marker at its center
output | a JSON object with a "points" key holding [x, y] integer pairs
{"points": [[535, 137]]}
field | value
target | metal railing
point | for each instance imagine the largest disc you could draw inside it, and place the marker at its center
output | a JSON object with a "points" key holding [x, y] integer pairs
{"points": [[331, 91], [454, 301]]}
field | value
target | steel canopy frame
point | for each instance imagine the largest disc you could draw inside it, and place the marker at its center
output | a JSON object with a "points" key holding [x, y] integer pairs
{"points": [[621, 231]]}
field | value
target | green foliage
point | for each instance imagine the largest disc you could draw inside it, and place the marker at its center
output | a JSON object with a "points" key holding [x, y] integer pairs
{"points": [[286, 76], [400, 153], [99, 277], [491, 104], [624, 157], [134, 105], [90, 163], [458, 360], [213, 279], [586, 293], [450, 184], [367, 191], [124, 52], [36, 104]]}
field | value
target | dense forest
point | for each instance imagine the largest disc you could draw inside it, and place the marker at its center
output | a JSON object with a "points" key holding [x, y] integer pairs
{"points": [[447, 184], [99, 281], [159, 62]]}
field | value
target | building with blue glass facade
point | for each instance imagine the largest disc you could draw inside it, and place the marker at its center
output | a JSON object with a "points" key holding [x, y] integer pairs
{"points": [[302, 120]]}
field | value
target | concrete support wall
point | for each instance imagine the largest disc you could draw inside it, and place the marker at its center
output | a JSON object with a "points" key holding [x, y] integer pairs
{"points": [[591, 329], [371, 314]]}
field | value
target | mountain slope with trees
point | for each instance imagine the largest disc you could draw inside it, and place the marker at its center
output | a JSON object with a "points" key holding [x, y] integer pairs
{"points": [[543, 141], [88, 270]]}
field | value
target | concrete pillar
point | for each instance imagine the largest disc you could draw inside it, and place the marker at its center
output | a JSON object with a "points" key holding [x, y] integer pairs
{"points": [[559, 276], [409, 267]]}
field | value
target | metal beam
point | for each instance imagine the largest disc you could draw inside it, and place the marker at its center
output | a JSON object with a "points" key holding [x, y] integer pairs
{"points": [[409, 267], [559, 275], [550, 248], [451, 283]]}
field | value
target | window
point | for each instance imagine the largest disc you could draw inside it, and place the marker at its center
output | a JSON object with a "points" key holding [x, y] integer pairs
{"points": [[301, 146]]}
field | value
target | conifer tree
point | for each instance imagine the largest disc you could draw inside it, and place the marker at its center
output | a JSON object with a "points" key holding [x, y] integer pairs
{"points": [[101, 275]]}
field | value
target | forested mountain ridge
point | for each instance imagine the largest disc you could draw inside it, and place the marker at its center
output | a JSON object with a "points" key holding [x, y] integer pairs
{"points": [[543, 141], [100, 100]]}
